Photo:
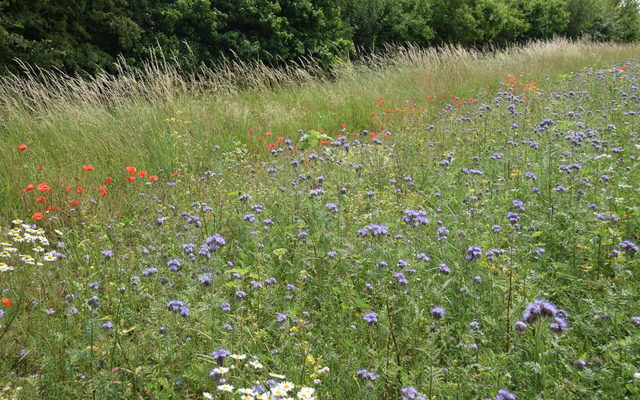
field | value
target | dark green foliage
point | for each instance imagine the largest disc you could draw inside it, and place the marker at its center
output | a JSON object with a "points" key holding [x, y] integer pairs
{"points": [[89, 35]]}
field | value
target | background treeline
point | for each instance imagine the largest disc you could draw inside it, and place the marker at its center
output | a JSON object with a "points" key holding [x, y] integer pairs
{"points": [[88, 35]]}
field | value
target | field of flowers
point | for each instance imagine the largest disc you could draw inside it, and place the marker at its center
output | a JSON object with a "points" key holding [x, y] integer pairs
{"points": [[488, 250]]}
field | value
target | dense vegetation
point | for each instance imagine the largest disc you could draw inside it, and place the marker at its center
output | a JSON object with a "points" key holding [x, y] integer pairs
{"points": [[450, 225], [89, 35]]}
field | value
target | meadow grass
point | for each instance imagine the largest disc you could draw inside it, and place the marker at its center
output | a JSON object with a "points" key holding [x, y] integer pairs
{"points": [[111, 121], [483, 246]]}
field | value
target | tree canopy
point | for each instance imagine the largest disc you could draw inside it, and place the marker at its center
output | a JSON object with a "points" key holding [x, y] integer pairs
{"points": [[89, 35]]}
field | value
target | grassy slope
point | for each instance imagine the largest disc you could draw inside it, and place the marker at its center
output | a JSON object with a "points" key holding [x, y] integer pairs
{"points": [[111, 123]]}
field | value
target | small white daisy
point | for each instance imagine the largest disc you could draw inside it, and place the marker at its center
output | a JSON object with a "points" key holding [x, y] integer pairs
{"points": [[4, 267], [225, 388]]}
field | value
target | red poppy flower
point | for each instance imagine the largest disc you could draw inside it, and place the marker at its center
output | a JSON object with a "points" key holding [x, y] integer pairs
{"points": [[373, 114], [40, 167], [44, 187], [68, 189], [103, 190], [174, 174], [87, 167], [79, 190], [131, 178], [22, 147], [271, 146], [50, 208], [153, 178], [108, 180], [41, 199], [142, 174], [131, 170], [280, 139], [269, 133], [28, 188], [75, 203], [7, 302], [37, 216], [344, 125]]}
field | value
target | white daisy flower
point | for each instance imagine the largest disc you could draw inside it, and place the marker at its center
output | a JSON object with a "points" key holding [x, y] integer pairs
{"points": [[306, 393], [4, 267], [225, 388]]}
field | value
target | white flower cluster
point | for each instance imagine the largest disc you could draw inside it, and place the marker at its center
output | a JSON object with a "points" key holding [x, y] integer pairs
{"points": [[283, 390], [23, 235]]}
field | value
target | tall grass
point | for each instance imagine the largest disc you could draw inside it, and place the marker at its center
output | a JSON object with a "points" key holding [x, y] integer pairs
{"points": [[111, 121]]}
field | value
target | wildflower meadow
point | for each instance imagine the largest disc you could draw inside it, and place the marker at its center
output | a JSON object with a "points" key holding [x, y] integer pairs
{"points": [[461, 227]]}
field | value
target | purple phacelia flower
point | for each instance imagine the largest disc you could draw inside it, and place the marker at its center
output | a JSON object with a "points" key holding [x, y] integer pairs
{"points": [[415, 217], [374, 230], [473, 253], [107, 253], [370, 318], [188, 248], [400, 278], [629, 247], [173, 264], [541, 308], [437, 312], [215, 242], [513, 217], [206, 279], [504, 394], [521, 326], [367, 375], [444, 269], [410, 393], [249, 218]]}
